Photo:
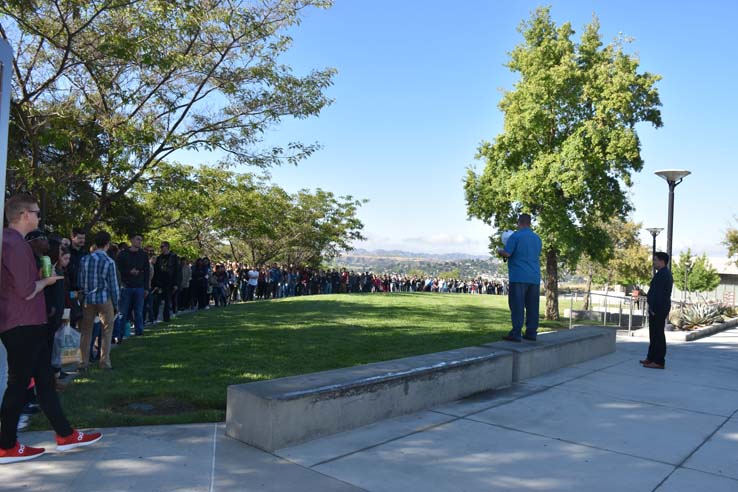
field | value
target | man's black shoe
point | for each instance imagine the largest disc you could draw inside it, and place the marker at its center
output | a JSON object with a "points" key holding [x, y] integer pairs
{"points": [[511, 338]]}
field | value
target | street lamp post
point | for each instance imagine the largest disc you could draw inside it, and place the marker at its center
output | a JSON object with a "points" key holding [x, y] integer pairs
{"points": [[673, 177], [655, 231]]}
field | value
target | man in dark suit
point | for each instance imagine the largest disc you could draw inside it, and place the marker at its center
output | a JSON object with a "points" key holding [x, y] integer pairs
{"points": [[659, 305]]}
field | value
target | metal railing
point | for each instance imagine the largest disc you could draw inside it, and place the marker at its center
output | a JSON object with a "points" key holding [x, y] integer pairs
{"points": [[611, 304]]}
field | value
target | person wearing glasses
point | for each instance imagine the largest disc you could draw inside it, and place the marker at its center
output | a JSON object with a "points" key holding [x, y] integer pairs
{"points": [[23, 333]]}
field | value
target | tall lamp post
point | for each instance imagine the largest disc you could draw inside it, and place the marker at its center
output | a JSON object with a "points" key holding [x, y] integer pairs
{"points": [[655, 231], [673, 177]]}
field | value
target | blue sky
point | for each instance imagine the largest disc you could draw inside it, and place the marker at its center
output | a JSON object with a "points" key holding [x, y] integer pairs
{"points": [[417, 91]]}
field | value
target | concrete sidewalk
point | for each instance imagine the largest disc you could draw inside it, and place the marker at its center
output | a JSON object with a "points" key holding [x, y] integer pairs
{"points": [[607, 424]]}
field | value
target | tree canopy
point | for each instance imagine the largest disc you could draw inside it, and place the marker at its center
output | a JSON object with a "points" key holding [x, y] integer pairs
{"points": [[694, 273], [105, 91], [731, 241], [569, 144], [246, 218]]}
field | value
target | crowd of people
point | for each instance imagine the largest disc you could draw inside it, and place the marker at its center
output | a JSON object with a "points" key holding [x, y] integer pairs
{"points": [[114, 290]]}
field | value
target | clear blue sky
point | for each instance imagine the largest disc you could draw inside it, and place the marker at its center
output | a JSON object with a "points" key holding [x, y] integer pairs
{"points": [[417, 91]]}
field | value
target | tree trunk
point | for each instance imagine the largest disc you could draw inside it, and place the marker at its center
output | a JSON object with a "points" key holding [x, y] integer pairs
{"points": [[233, 252], [552, 285], [588, 289]]}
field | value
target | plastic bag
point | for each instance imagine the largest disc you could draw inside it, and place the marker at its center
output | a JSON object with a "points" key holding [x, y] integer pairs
{"points": [[56, 349], [66, 345]]}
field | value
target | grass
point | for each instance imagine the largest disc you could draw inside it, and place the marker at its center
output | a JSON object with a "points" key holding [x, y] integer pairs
{"points": [[179, 372]]}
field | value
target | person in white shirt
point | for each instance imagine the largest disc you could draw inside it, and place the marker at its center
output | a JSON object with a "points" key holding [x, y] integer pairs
{"points": [[253, 282]]}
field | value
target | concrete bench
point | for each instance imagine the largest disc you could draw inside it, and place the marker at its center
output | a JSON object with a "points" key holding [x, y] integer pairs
{"points": [[281, 412], [557, 349]]}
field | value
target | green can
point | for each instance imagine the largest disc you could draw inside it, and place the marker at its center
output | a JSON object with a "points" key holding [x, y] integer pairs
{"points": [[45, 267]]}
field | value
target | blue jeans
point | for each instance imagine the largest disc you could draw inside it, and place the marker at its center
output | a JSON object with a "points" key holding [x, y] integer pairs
{"points": [[130, 298], [524, 300]]}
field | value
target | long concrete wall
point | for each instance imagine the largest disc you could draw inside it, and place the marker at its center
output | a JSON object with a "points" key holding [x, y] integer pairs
{"points": [[281, 412]]}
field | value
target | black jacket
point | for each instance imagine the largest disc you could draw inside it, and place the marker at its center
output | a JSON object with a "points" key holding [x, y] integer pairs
{"points": [[73, 268], [659, 293], [167, 271], [128, 260]]}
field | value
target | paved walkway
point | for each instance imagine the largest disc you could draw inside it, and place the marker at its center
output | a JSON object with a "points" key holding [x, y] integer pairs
{"points": [[605, 425]]}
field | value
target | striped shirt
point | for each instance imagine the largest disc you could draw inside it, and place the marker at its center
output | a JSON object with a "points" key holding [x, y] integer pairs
{"points": [[98, 278]]}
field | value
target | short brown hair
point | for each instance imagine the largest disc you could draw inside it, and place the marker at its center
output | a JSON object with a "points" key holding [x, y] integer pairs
{"points": [[17, 204], [101, 239]]}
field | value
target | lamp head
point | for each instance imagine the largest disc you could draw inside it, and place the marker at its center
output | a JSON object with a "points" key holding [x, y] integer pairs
{"points": [[673, 175], [655, 230]]}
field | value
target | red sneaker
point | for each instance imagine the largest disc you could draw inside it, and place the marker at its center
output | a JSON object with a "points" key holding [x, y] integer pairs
{"points": [[77, 439], [19, 452]]}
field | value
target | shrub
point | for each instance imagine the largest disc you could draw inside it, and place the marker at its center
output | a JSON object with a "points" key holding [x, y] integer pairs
{"points": [[700, 314]]}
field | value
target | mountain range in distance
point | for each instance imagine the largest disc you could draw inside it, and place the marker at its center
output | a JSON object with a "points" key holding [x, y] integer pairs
{"points": [[409, 255]]}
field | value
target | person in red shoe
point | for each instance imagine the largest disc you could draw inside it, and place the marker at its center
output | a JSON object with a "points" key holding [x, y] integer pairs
{"points": [[22, 331]]}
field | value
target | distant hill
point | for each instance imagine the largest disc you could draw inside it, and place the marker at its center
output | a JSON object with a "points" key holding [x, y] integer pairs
{"points": [[394, 253], [403, 262]]}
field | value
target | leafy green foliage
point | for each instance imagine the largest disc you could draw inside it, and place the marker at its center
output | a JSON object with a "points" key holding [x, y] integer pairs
{"points": [[630, 261], [106, 90], [244, 218], [731, 241], [694, 273], [569, 143], [701, 314], [450, 275]]}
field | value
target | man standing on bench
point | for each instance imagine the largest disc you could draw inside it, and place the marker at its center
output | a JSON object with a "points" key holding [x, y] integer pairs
{"points": [[523, 251]]}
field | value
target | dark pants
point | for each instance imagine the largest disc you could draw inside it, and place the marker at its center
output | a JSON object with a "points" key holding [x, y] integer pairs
{"points": [[165, 294], [174, 300], [28, 357], [657, 345], [202, 295], [185, 301], [524, 301]]}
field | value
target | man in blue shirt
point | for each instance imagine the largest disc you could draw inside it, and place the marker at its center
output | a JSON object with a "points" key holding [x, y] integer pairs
{"points": [[523, 252]]}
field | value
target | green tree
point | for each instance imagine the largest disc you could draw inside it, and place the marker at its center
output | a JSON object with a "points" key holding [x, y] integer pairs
{"points": [[416, 272], [731, 241], [450, 275], [694, 273], [629, 261], [242, 217], [132, 82], [569, 143]]}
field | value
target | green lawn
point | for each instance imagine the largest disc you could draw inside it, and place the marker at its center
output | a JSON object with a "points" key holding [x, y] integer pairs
{"points": [[179, 372]]}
